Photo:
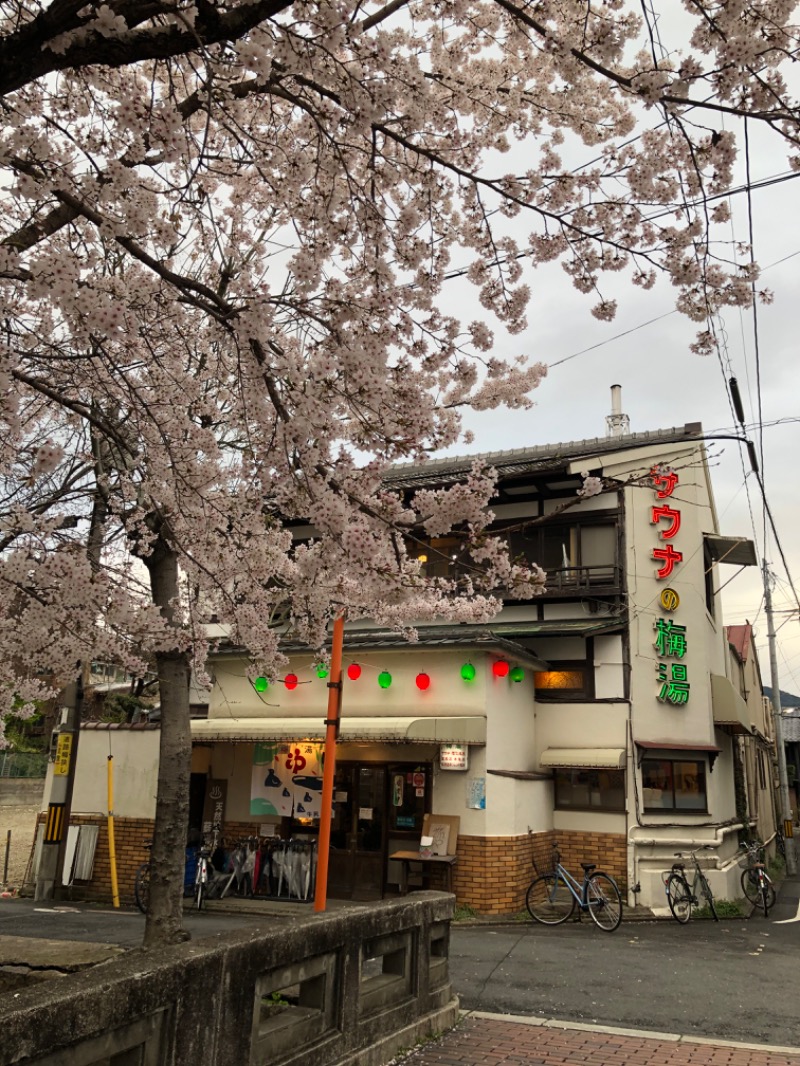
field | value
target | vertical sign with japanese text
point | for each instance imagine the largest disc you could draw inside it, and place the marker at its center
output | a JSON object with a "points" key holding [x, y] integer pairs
{"points": [[670, 643]]}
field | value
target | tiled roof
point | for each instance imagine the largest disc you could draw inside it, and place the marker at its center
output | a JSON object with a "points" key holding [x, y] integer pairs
{"points": [[739, 638], [534, 460], [502, 636]]}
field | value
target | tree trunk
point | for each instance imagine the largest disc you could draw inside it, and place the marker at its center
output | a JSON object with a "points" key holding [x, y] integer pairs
{"points": [[167, 856]]}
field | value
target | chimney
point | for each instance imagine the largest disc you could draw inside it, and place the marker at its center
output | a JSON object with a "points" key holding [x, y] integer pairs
{"points": [[617, 424]]}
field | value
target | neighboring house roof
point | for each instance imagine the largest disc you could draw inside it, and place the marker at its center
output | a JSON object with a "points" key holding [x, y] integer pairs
{"points": [[739, 638], [791, 727], [535, 460]]}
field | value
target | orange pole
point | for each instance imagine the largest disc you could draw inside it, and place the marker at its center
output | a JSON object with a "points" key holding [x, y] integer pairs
{"points": [[329, 769]]}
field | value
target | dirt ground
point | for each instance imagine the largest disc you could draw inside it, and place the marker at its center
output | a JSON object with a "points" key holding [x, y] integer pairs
{"points": [[21, 820]]}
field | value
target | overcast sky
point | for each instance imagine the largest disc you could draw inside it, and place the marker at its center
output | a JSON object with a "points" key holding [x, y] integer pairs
{"points": [[664, 384]]}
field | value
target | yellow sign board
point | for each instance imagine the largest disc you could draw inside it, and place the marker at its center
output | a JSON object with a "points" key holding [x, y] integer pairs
{"points": [[63, 753], [788, 828]]}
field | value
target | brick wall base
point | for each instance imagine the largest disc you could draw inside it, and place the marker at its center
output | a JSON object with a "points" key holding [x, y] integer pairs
{"points": [[491, 875]]}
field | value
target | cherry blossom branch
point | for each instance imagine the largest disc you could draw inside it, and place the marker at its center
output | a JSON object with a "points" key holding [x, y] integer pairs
{"points": [[628, 83], [25, 55]]}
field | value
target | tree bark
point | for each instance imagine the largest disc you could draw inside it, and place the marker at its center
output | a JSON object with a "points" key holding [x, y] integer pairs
{"points": [[164, 923]]}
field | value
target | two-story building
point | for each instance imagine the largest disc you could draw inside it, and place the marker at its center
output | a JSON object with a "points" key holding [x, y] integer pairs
{"points": [[604, 715]]}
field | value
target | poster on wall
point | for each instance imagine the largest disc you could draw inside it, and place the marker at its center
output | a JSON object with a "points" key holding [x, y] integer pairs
{"points": [[287, 779], [476, 793]]}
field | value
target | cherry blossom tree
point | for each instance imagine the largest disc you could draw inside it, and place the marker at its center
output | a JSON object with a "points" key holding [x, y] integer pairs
{"points": [[228, 238]]}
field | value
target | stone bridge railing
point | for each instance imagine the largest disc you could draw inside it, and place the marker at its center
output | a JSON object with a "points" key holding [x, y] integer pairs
{"points": [[351, 988]]}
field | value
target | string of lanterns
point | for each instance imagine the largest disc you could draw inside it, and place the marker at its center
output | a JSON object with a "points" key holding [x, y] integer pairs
{"points": [[500, 668]]}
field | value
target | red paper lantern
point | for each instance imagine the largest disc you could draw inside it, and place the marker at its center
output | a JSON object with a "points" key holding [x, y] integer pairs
{"points": [[354, 671], [290, 681], [500, 668], [423, 681]]}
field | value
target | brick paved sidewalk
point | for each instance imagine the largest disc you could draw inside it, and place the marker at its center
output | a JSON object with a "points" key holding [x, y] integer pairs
{"points": [[482, 1040]]}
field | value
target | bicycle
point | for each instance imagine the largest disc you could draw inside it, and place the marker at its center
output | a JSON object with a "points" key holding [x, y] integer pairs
{"points": [[756, 882], [203, 875], [552, 897], [780, 843], [681, 897], [141, 884]]}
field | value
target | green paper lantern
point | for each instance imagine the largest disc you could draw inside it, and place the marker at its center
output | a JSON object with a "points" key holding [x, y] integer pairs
{"points": [[322, 670], [384, 679], [261, 684], [517, 673], [468, 672]]}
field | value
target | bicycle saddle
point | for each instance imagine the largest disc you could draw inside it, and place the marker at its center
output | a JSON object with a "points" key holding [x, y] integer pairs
{"points": [[587, 867]]}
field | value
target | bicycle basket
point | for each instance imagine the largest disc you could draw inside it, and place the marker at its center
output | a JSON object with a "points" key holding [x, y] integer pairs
{"points": [[752, 855], [544, 858]]}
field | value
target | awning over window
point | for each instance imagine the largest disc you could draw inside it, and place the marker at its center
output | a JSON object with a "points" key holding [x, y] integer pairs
{"points": [[438, 730], [728, 707], [666, 749], [613, 758], [737, 550]]}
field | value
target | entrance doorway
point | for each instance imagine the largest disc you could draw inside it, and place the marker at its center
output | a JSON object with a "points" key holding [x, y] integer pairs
{"points": [[376, 807]]}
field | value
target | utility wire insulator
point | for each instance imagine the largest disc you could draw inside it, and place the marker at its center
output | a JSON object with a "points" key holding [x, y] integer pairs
{"points": [[737, 400]]}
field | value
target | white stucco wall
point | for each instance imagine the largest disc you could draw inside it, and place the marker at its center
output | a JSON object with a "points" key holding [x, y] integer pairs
{"points": [[135, 754], [506, 705], [233, 696]]}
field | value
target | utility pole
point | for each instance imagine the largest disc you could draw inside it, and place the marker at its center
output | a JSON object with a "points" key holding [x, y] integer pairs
{"points": [[51, 862], [783, 777]]}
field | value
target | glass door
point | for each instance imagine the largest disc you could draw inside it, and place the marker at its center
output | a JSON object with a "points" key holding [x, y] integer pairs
{"points": [[358, 832]]}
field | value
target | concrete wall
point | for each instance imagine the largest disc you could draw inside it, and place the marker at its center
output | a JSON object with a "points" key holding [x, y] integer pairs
{"points": [[21, 791], [367, 982]]}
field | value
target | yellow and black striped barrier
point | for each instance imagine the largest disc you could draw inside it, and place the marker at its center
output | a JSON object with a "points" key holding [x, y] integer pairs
{"points": [[54, 826]]}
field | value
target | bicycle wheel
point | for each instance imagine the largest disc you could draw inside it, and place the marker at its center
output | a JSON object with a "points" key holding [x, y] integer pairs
{"points": [[780, 844], [679, 898], [549, 900], [764, 901], [752, 889], [141, 887], [199, 884], [604, 901], [750, 886], [705, 888]]}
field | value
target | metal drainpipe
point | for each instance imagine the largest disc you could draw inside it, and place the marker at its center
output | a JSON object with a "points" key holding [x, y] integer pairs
{"points": [[690, 842]]}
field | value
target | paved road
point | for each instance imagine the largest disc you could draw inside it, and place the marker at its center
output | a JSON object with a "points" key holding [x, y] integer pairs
{"points": [[736, 980], [88, 924]]}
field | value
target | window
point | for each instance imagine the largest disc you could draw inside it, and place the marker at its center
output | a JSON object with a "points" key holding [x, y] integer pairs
{"points": [[674, 785], [708, 576], [565, 681], [590, 789], [569, 549], [762, 776], [440, 556]]}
